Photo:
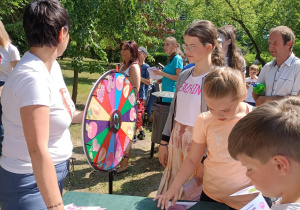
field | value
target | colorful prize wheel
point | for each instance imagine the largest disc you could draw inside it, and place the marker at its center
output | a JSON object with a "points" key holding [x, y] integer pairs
{"points": [[109, 121]]}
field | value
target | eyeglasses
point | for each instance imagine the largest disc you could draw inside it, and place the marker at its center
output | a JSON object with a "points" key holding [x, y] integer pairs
{"points": [[220, 39]]}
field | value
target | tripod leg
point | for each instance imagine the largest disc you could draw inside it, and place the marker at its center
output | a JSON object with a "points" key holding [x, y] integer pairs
{"points": [[110, 180], [152, 149]]}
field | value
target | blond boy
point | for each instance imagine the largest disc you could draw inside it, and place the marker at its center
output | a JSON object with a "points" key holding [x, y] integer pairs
{"points": [[267, 142]]}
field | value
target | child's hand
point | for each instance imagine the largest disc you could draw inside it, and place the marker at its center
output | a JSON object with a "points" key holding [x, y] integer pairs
{"points": [[199, 174], [163, 155], [163, 200]]}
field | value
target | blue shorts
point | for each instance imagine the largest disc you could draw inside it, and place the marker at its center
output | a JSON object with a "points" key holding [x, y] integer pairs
{"points": [[20, 191]]}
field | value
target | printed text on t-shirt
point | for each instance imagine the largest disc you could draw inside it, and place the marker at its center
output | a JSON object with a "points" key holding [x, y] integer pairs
{"points": [[190, 88]]}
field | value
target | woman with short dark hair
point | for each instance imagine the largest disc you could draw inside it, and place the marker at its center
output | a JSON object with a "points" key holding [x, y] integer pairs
{"points": [[37, 112]]}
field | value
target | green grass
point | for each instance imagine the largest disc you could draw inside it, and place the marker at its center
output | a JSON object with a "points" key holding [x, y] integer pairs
{"points": [[144, 174], [85, 81]]}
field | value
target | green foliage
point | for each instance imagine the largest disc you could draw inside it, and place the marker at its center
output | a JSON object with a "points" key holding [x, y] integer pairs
{"points": [[251, 58], [103, 25], [11, 10], [296, 48], [158, 58], [11, 14], [17, 36], [77, 63], [253, 18], [176, 8], [98, 27]]}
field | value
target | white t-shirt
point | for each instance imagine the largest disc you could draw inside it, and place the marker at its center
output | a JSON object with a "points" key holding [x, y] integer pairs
{"points": [[188, 103], [250, 82], [30, 83], [8, 54]]}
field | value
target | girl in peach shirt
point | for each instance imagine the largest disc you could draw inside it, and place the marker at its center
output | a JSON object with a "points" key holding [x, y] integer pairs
{"points": [[224, 91]]}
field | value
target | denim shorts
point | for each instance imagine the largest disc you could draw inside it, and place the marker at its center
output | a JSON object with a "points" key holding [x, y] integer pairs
{"points": [[20, 191]]}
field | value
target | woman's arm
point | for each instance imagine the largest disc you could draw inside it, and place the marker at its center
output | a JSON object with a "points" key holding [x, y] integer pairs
{"points": [[35, 121], [169, 76], [78, 116], [135, 77], [163, 150], [14, 63], [146, 81]]}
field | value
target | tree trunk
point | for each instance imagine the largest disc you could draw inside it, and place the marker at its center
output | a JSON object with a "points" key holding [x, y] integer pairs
{"points": [[75, 86]]}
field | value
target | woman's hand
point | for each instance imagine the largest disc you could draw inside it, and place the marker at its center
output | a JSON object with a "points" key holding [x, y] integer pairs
{"points": [[163, 155], [169, 76], [160, 81], [163, 200], [158, 72]]}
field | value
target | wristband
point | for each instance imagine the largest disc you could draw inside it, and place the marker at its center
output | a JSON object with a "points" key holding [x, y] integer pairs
{"points": [[55, 206], [163, 145], [203, 158]]}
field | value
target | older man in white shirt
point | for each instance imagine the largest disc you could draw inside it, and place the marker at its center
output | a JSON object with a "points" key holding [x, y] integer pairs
{"points": [[281, 76]]}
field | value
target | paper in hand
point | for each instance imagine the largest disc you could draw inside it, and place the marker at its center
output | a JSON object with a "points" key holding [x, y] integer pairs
{"points": [[152, 75], [258, 203], [246, 191], [180, 205]]}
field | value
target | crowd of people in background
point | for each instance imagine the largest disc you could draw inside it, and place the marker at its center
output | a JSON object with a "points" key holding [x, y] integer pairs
{"points": [[218, 135]]}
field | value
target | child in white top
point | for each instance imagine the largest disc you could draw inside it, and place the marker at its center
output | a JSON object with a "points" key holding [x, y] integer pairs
{"points": [[188, 102], [250, 81], [224, 91], [267, 143]]}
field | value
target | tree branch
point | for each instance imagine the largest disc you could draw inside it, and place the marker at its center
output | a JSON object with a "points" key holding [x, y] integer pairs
{"points": [[258, 57]]}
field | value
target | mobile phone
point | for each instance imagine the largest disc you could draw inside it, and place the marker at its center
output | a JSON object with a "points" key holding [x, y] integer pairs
{"points": [[162, 66]]}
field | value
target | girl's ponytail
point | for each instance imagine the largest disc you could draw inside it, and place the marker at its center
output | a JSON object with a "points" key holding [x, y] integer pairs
{"points": [[217, 56]]}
